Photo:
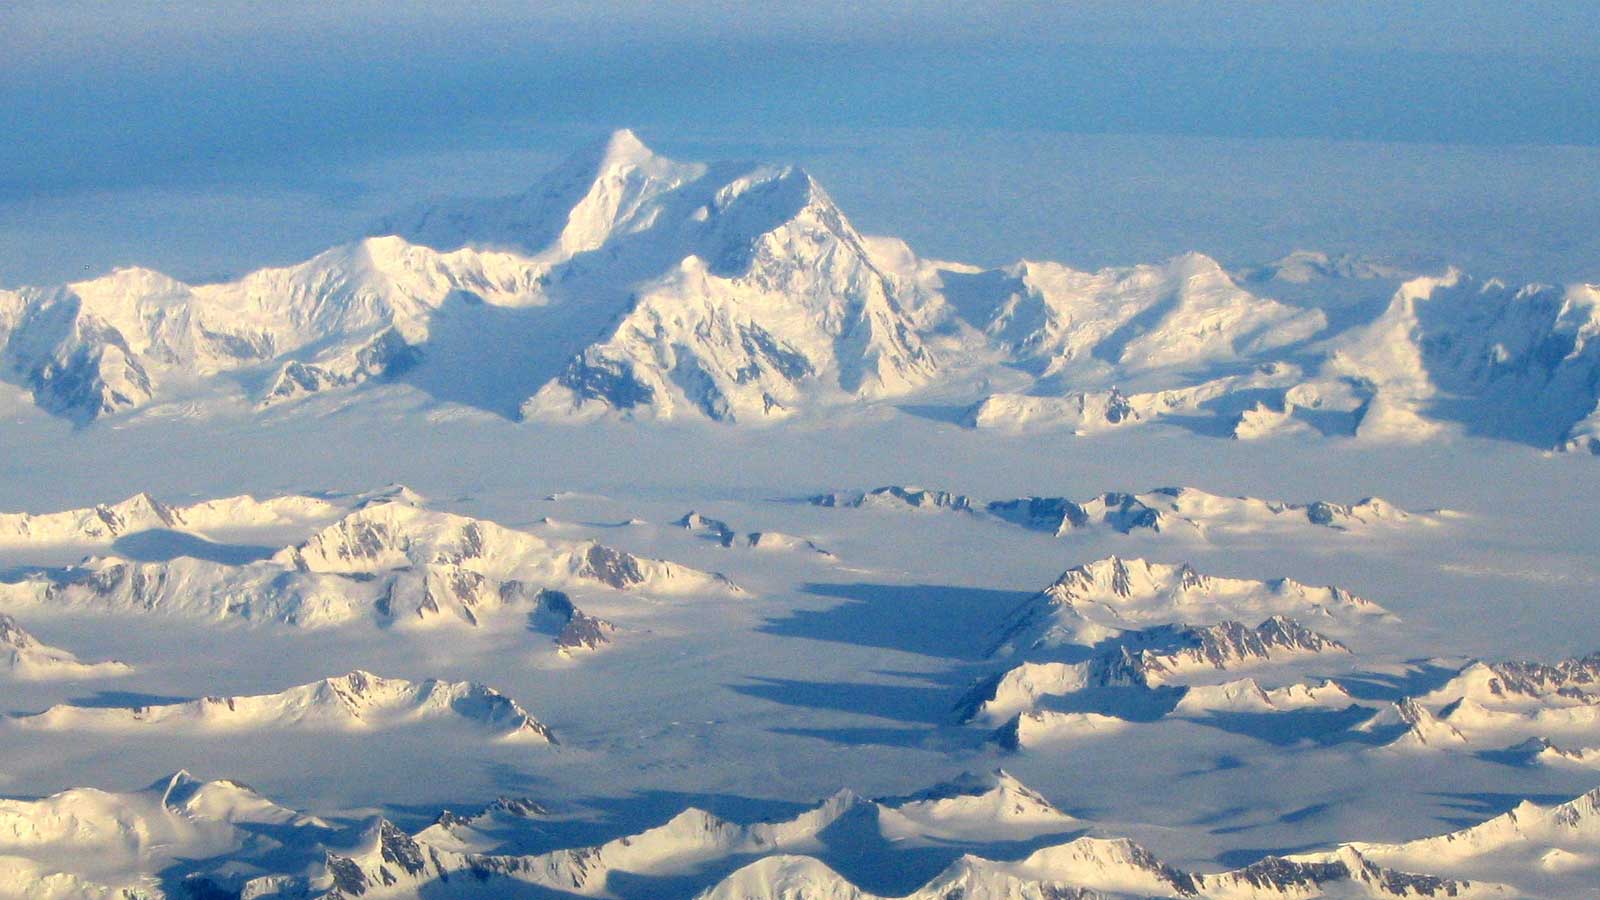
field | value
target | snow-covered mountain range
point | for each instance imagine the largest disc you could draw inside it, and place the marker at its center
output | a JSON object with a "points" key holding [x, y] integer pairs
{"points": [[1192, 510], [104, 523], [26, 658], [1180, 511], [1448, 353], [1550, 847], [1516, 713], [578, 375], [88, 843], [724, 535], [894, 497], [732, 291], [624, 283], [1152, 657], [1117, 642], [1115, 869], [79, 843], [1108, 598], [359, 700], [1522, 712], [388, 560]]}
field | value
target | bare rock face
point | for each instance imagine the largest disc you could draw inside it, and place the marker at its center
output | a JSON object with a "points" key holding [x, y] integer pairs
{"points": [[612, 567], [1577, 678], [711, 529], [573, 629], [1156, 654]]}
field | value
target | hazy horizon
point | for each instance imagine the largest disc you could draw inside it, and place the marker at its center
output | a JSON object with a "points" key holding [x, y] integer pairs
{"points": [[205, 142], [661, 533]]}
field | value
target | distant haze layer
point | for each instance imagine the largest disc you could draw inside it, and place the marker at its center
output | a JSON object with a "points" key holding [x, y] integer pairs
{"points": [[210, 143]]}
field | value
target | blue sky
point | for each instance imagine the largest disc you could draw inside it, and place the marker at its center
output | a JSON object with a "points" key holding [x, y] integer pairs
{"points": [[205, 138]]}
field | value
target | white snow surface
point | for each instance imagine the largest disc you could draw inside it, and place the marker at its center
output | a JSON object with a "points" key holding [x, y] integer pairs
{"points": [[627, 284], [1225, 695], [389, 560], [25, 658], [359, 700]]}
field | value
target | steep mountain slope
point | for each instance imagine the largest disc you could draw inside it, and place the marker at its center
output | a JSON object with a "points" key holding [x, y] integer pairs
{"points": [[600, 192], [973, 808], [571, 629], [775, 296], [1409, 725], [1538, 712], [499, 827], [1523, 358], [732, 291]]}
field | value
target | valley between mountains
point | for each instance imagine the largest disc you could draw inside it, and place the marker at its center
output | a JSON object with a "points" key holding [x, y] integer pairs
{"points": [[653, 533]]}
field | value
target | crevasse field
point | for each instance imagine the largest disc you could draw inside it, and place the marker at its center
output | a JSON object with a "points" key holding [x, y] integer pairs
{"points": [[654, 533]]}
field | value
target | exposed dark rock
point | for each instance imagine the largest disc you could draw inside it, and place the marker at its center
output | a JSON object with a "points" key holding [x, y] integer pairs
{"points": [[612, 567], [611, 382]]}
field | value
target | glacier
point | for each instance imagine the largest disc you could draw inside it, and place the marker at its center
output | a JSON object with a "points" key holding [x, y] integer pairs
{"points": [[676, 538]]}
